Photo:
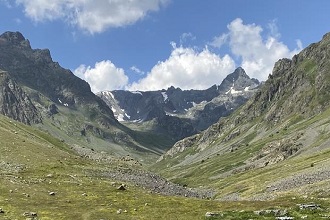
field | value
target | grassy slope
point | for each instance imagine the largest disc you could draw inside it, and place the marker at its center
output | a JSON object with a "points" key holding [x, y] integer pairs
{"points": [[225, 170], [28, 156]]}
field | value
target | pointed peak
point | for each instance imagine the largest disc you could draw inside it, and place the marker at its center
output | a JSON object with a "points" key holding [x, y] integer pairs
{"points": [[326, 36], [239, 72]]}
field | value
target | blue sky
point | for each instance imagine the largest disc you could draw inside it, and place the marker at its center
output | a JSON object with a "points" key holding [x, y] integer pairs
{"points": [[153, 44]]}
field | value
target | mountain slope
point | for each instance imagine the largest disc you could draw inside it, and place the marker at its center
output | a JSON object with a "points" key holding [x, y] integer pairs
{"points": [[280, 133], [38, 91], [43, 178]]}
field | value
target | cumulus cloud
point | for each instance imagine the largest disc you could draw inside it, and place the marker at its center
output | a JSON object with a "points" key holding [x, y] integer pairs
{"points": [[258, 55], [186, 68], [193, 68], [104, 76], [90, 15]]}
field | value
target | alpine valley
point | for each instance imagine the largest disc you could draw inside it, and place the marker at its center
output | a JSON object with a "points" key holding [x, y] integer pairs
{"points": [[238, 150]]}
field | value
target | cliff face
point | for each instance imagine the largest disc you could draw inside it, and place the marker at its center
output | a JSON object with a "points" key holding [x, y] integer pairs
{"points": [[15, 103]]}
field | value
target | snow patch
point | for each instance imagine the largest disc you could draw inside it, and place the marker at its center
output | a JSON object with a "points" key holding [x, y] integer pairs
{"points": [[120, 117], [137, 121], [113, 109], [66, 104], [137, 92], [127, 116], [165, 96], [233, 91], [59, 100], [247, 88], [112, 96]]}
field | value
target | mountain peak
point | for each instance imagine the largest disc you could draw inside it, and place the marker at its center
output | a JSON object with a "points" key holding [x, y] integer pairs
{"points": [[326, 36], [14, 38], [238, 80], [239, 72]]}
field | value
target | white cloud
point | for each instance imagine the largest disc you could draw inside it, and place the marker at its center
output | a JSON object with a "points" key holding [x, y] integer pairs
{"points": [[258, 55], [104, 76], [137, 70], [273, 28], [90, 15], [186, 68], [220, 40], [186, 37], [191, 68]]}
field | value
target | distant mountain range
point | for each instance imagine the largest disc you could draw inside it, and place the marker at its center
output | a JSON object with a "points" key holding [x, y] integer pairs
{"points": [[180, 113]]}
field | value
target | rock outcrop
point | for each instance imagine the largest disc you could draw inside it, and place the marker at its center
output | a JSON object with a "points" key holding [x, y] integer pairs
{"points": [[15, 103]]}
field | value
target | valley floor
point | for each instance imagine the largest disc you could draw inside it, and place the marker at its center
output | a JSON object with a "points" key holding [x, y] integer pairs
{"points": [[43, 178]]}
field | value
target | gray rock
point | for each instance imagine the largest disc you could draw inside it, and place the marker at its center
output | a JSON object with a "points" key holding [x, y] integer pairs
{"points": [[30, 214], [15, 103], [309, 206], [284, 218], [121, 187], [212, 214]]}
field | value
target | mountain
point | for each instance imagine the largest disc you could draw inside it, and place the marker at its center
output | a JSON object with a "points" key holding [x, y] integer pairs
{"points": [[269, 158], [38, 91], [276, 144], [177, 113]]}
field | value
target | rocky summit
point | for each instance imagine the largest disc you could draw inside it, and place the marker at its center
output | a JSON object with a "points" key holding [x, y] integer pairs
{"points": [[180, 113]]}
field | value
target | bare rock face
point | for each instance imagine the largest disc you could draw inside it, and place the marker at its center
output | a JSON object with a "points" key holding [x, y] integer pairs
{"points": [[15, 103]]}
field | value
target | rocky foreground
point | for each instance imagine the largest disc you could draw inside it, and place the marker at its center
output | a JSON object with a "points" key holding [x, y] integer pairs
{"points": [[128, 170]]}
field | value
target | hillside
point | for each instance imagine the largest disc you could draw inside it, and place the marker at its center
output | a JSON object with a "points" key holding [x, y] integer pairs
{"points": [[43, 178], [276, 144], [39, 92]]}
